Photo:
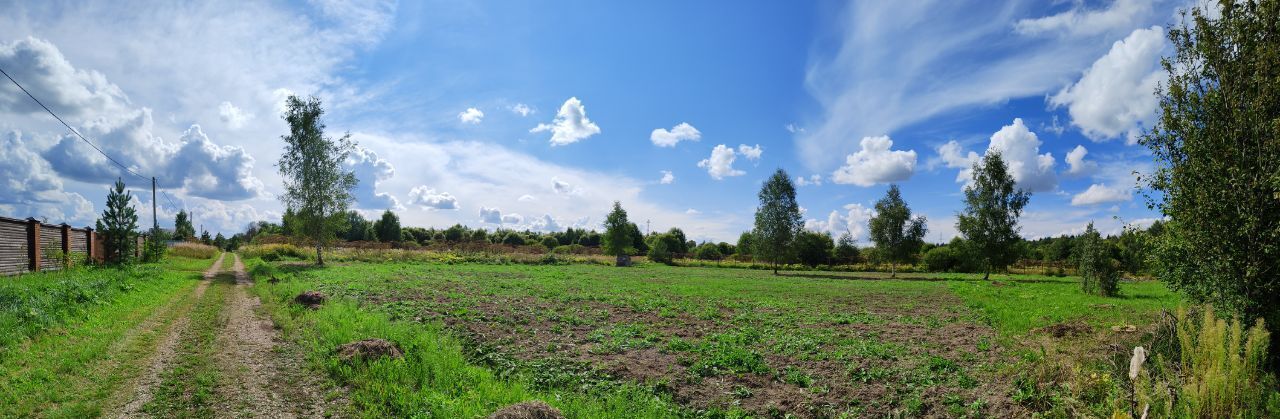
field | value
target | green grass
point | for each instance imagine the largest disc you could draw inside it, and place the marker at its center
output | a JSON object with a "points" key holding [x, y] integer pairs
{"points": [[749, 323], [187, 388], [1025, 302], [75, 367], [434, 379]]}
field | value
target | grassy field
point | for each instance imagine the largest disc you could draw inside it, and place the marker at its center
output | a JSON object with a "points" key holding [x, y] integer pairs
{"points": [[95, 330], [659, 341]]}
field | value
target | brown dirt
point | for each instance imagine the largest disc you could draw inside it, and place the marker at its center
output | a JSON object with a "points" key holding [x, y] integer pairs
{"points": [[535, 409], [368, 349], [310, 299], [163, 357], [1066, 329], [260, 381], [523, 327]]}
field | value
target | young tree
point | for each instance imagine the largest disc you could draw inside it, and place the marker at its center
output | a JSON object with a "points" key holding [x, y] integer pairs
{"points": [[205, 238], [1217, 156], [992, 206], [316, 187], [118, 226], [683, 246], [897, 236], [388, 228], [777, 220], [356, 228], [708, 251], [617, 238], [182, 228], [846, 252], [1094, 266], [220, 241], [660, 249], [746, 241]]}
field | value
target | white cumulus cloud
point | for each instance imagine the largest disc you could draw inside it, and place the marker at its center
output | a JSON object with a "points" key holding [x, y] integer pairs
{"points": [[234, 117], [521, 109], [1116, 95], [876, 163], [1020, 149], [371, 171], [681, 132], [570, 125], [1100, 194], [853, 220], [1077, 165], [752, 153], [720, 164], [471, 116], [428, 198], [667, 177]]}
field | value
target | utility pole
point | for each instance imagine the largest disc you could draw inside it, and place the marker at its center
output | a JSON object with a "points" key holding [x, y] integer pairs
{"points": [[155, 223], [646, 227]]}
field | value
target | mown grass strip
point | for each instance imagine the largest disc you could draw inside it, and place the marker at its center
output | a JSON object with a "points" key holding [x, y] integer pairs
{"points": [[72, 370], [434, 378], [188, 388]]}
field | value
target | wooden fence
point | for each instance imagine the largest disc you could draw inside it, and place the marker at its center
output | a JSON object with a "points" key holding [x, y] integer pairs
{"points": [[32, 246]]}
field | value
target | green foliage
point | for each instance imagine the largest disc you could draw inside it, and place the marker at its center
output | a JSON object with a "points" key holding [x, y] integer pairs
{"points": [[273, 252], [661, 247], [153, 250], [813, 248], [317, 188], [678, 237], [182, 228], [357, 228], [992, 206], [193, 251], [387, 228], [1098, 274], [846, 252], [746, 242], [708, 251], [118, 226], [1217, 172], [941, 259], [777, 220], [897, 236], [1222, 370], [618, 240], [550, 242]]}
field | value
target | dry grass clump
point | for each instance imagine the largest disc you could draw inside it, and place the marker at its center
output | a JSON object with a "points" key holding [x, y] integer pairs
{"points": [[193, 250]]}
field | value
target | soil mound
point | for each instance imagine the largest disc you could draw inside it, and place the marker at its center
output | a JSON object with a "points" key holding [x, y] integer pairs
{"points": [[1059, 330], [534, 409], [310, 299], [369, 349]]}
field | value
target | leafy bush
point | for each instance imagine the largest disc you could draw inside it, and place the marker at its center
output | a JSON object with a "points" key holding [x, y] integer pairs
{"points": [[941, 259], [660, 249], [708, 251], [193, 250], [274, 252], [1098, 274]]}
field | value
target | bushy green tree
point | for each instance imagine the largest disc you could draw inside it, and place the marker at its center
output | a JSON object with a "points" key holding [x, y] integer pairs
{"points": [[550, 242], [182, 228], [206, 238], [388, 228], [617, 240], [708, 251], [660, 248], [1098, 274], [1216, 146], [896, 234], [813, 248], [777, 220], [638, 244], [357, 228], [316, 184], [683, 246], [992, 206], [746, 242], [941, 259], [220, 241], [846, 252], [118, 226]]}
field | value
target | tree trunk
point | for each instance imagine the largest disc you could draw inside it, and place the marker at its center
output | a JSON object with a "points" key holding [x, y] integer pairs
{"points": [[893, 270], [319, 255]]}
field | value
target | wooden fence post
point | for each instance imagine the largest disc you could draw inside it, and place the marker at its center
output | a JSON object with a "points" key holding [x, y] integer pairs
{"points": [[66, 245], [33, 244], [89, 245]]}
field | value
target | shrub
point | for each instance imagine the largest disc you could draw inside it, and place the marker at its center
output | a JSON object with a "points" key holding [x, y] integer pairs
{"points": [[660, 250], [708, 251], [1222, 366], [193, 250], [1099, 275], [273, 252], [941, 259]]}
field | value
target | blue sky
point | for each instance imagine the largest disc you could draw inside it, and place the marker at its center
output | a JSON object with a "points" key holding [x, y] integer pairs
{"points": [[538, 115]]}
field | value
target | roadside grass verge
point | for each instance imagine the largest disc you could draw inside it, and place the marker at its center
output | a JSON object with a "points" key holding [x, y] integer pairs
{"points": [[193, 250], [72, 369], [187, 388], [434, 379]]}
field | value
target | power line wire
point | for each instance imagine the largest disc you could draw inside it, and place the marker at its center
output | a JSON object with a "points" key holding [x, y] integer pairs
{"points": [[73, 130]]}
